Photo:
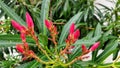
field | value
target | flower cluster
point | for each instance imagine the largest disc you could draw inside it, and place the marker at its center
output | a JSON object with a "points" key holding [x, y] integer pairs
{"points": [[29, 30], [24, 30], [24, 49], [72, 37], [52, 29], [86, 51]]}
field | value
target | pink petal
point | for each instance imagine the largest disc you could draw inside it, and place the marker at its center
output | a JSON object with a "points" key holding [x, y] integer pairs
{"points": [[94, 46], [16, 25], [22, 35], [48, 24], [72, 28], [84, 48], [20, 48], [29, 20], [31, 53], [76, 34], [26, 46]]}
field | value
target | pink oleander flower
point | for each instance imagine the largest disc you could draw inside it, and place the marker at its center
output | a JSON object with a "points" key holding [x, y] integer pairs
{"points": [[94, 46], [23, 30], [52, 28], [76, 34], [72, 28], [73, 35], [23, 37], [16, 25], [84, 48], [29, 21], [26, 46], [24, 49], [48, 24], [20, 48], [86, 51]]}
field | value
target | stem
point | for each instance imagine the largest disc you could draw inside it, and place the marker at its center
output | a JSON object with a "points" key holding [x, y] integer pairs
{"points": [[71, 62], [39, 46], [55, 43], [41, 61]]}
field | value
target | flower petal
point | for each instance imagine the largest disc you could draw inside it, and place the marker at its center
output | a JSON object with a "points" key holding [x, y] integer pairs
{"points": [[94, 46], [29, 20], [48, 24], [20, 48], [72, 28], [16, 25], [76, 34], [22, 35], [84, 48]]}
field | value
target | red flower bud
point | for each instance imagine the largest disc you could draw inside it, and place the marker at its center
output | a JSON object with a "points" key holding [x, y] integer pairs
{"points": [[22, 35], [94, 46], [84, 48], [31, 53], [48, 24], [72, 28], [16, 25], [29, 20], [76, 34], [26, 46], [20, 48]]}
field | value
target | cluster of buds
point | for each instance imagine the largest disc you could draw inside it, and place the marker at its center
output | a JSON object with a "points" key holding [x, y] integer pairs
{"points": [[24, 50], [86, 51], [52, 29], [29, 30], [72, 37]]}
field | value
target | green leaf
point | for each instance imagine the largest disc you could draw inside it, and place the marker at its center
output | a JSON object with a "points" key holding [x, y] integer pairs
{"points": [[90, 35], [65, 29], [98, 30], [44, 14], [43, 39], [75, 52], [86, 14], [87, 41], [12, 40], [7, 64], [66, 7], [77, 66], [11, 13], [97, 33], [31, 64], [110, 48], [115, 54]]}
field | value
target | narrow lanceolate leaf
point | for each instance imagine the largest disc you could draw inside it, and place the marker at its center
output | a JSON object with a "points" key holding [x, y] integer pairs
{"points": [[11, 13], [12, 40], [110, 48], [97, 33], [44, 14], [98, 30], [31, 64], [65, 29]]}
